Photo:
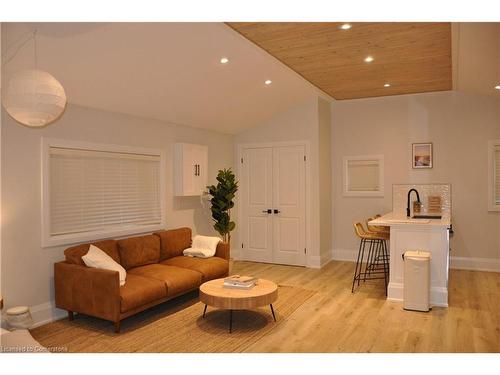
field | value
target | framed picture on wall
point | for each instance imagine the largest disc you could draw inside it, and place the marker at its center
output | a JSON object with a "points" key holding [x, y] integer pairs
{"points": [[422, 155]]}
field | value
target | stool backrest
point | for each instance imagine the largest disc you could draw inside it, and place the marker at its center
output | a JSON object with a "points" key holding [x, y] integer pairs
{"points": [[359, 230], [368, 220]]}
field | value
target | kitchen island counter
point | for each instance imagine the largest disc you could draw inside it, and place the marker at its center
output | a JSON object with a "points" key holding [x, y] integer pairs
{"points": [[430, 235]]}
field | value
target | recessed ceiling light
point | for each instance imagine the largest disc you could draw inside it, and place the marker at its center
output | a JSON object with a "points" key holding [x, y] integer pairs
{"points": [[369, 59], [497, 87], [387, 85], [224, 60], [268, 81], [346, 26]]}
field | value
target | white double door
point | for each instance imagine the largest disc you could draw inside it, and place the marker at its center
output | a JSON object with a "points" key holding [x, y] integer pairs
{"points": [[273, 198]]}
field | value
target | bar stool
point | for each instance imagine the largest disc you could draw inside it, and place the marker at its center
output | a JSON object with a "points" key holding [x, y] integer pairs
{"points": [[378, 229], [377, 260]]}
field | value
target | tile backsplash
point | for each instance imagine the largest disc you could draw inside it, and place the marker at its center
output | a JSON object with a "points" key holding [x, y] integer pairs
{"points": [[400, 193]]}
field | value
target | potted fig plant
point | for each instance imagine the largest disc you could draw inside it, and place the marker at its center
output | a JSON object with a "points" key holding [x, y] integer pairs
{"points": [[222, 201]]}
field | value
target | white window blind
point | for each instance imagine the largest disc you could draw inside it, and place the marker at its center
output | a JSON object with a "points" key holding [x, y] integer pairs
{"points": [[363, 175], [95, 190], [496, 162]]}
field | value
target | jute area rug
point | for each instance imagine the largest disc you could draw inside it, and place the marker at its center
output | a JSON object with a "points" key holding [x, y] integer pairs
{"points": [[175, 326]]}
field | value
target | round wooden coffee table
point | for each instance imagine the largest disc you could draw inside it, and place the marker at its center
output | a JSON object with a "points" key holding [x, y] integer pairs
{"points": [[213, 293]]}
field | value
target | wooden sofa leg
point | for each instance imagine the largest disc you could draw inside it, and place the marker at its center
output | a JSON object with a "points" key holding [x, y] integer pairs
{"points": [[70, 316], [117, 327]]}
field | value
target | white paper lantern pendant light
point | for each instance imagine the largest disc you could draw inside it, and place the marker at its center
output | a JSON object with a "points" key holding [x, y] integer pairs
{"points": [[34, 97]]}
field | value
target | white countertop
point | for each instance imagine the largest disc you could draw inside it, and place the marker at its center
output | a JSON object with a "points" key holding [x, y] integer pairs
{"points": [[392, 219]]}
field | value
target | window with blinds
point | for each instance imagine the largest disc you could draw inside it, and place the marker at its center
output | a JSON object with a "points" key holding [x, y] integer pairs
{"points": [[494, 175], [96, 192], [363, 176]]}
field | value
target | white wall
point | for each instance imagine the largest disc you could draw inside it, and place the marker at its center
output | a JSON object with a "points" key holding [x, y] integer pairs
{"points": [[1, 57], [299, 123], [325, 179], [27, 268], [459, 125]]}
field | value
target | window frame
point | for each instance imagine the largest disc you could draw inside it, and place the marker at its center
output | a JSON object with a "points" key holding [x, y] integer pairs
{"points": [[492, 205], [368, 193], [75, 238]]}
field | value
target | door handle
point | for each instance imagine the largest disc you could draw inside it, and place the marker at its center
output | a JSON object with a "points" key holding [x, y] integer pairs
{"points": [[276, 211], [195, 170], [268, 211]]}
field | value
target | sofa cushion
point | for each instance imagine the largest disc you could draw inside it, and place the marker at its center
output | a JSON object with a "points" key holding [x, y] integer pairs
{"points": [[177, 280], [139, 291], [210, 268], [173, 242], [139, 251], [74, 254]]}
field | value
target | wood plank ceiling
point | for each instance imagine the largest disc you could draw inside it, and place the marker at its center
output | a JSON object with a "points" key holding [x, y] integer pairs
{"points": [[410, 57]]}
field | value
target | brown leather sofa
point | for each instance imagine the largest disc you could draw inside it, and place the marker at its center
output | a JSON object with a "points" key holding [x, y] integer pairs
{"points": [[156, 272]]}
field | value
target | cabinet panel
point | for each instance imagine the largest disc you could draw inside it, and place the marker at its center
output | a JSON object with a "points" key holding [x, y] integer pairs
{"points": [[190, 169]]}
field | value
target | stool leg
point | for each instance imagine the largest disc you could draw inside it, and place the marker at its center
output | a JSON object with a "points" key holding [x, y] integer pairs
{"points": [[386, 265], [361, 261], [357, 264], [230, 321], [204, 310], [368, 261]]}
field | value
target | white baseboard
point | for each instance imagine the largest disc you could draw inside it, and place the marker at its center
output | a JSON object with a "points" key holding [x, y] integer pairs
{"points": [[316, 261], [458, 263], [438, 296], [46, 313], [236, 254], [344, 255], [475, 264]]}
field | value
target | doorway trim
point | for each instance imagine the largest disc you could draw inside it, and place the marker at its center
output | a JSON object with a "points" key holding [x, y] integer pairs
{"points": [[307, 147]]}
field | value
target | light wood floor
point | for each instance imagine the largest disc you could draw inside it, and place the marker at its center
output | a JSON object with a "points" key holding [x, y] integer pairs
{"points": [[334, 320]]}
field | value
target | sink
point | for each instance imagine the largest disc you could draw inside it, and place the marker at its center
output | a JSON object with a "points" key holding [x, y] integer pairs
{"points": [[426, 216]]}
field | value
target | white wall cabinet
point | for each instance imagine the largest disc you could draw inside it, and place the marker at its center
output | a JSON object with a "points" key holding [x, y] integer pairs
{"points": [[190, 169]]}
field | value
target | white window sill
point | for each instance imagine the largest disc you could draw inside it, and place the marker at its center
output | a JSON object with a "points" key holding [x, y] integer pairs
{"points": [[76, 238]]}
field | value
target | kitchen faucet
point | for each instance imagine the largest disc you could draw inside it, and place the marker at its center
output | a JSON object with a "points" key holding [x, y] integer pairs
{"points": [[408, 201]]}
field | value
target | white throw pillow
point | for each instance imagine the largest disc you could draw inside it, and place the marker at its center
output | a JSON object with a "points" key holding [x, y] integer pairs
{"points": [[202, 247], [96, 258]]}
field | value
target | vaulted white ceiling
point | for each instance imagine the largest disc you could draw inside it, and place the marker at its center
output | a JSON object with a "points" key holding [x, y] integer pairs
{"points": [[172, 71], [165, 71]]}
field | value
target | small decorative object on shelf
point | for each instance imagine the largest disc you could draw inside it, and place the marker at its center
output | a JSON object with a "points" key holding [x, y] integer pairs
{"points": [[416, 207], [434, 203]]}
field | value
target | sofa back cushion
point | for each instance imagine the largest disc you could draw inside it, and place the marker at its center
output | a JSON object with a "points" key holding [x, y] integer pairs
{"points": [[139, 251], [74, 254], [173, 242]]}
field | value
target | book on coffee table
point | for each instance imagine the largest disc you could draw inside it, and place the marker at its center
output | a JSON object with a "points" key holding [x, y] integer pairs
{"points": [[236, 286], [240, 280]]}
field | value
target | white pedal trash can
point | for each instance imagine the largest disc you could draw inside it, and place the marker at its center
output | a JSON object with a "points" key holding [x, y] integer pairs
{"points": [[417, 279]]}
